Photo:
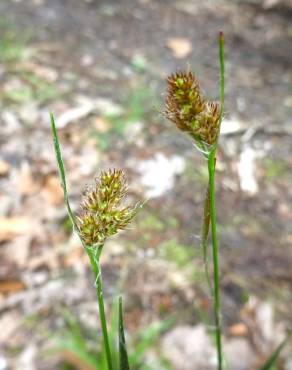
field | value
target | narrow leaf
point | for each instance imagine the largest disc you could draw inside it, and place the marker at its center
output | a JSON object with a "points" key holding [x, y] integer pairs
{"points": [[206, 225], [205, 234], [62, 170], [124, 362], [275, 355], [222, 73]]}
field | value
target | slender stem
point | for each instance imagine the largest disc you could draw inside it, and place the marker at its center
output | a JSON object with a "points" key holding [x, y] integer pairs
{"points": [[213, 217], [204, 238], [94, 257], [94, 261], [206, 219], [217, 303], [222, 73]]}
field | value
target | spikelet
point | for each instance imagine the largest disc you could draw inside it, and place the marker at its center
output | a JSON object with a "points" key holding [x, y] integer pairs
{"points": [[101, 215], [190, 111]]}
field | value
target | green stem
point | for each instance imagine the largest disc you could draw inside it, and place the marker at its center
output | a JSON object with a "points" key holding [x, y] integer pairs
{"points": [[204, 238], [222, 73], [94, 261], [93, 257], [206, 219], [217, 303]]}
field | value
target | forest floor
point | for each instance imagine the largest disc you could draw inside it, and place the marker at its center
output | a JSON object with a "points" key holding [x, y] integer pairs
{"points": [[100, 66]]}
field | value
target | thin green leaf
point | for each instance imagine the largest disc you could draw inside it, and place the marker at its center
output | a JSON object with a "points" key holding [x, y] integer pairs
{"points": [[62, 170], [275, 355], [206, 225], [114, 322], [222, 73], [205, 235], [124, 362]]}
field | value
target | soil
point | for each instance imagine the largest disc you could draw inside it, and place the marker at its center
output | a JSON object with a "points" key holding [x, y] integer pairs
{"points": [[117, 50]]}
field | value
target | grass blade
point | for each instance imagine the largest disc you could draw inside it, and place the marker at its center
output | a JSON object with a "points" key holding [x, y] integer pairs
{"points": [[205, 235], [271, 362], [62, 170], [207, 211], [94, 259], [124, 362], [206, 224], [222, 73]]}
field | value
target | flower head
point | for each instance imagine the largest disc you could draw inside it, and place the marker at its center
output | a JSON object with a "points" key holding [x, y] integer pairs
{"points": [[101, 215], [189, 110]]}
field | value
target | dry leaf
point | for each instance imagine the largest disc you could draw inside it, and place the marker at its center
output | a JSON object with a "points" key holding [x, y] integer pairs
{"points": [[75, 256], [8, 324], [21, 244], [48, 258], [4, 168], [27, 184], [11, 286], [180, 47], [52, 190], [75, 360], [75, 114], [238, 329], [13, 226], [101, 125]]}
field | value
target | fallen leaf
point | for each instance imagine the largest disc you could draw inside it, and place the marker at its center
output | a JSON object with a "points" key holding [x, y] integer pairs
{"points": [[9, 322], [4, 168], [239, 329], [73, 257], [27, 184], [21, 244], [52, 190], [48, 258], [101, 125], [11, 286], [73, 359], [13, 226], [75, 114], [180, 47]]}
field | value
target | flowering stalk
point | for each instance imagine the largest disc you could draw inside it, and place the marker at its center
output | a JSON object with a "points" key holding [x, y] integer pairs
{"points": [[101, 216], [215, 254], [94, 261], [211, 193], [201, 119]]}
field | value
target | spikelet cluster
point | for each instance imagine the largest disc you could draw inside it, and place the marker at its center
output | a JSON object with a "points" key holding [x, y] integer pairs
{"points": [[189, 110], [102, 215]]}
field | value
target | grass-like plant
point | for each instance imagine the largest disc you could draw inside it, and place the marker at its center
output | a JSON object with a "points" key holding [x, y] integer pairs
{"points": [[201, 119], [102, 214], [79, 346]]}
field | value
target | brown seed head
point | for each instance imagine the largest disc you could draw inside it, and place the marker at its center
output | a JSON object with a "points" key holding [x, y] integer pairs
{"points": [[101, 215], [187, 108]]}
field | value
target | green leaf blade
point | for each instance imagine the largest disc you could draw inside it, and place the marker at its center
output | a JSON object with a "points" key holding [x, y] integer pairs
{"points": [[62, 170], [271, 362], [124, 362]]}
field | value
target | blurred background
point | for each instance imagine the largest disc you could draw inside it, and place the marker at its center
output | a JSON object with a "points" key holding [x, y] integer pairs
{"points": [[100, 66]]}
